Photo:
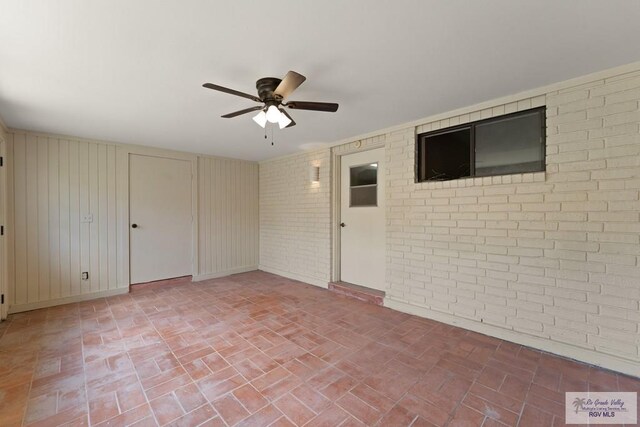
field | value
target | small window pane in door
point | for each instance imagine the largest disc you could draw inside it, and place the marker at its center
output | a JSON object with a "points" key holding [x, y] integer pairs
{"points": [[364, 175], [363, 185], [364, 196]]}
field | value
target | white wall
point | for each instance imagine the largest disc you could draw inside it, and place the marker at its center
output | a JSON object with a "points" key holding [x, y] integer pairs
{"points": [[546, 259], [55, 180], [294, 218], [227, 216]]}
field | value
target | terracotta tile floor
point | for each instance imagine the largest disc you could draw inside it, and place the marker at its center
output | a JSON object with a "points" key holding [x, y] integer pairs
{"points": [[257, 349]]}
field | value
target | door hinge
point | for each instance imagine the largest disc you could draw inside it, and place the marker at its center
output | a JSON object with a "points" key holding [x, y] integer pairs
{"points": [[1, 161], [1, 230], [2, 299]]}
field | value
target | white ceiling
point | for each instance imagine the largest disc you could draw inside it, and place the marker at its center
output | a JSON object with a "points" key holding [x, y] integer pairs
{"points": [[132, 71]]}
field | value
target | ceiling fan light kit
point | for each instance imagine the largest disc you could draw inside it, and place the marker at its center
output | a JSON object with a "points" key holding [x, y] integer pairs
{"points": [[260, 119], [272, 93], [283, 121], [273, 115]]}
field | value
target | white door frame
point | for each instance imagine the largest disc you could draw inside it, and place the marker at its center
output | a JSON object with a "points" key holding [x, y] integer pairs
{"points": [[4, 212], [336, 189], [126, 229]]}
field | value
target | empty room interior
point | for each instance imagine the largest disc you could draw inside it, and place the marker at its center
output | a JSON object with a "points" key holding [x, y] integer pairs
{"points": [[319, 213]]}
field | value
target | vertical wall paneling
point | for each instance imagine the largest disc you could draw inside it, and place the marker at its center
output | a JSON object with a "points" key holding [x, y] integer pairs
{"points": [[85, 227], [228, 216], [64, 207], [68, 208], [42, 229], [122, 220], [54, 219], [205, 262], [111, 222], [74, 217], [19, 294], [103, 217], [32, 255], [64, 219], [93, 265]]}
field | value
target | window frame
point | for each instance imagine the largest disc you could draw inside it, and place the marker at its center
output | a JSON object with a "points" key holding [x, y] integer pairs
{"points": [[420, 146], [365, 185]]}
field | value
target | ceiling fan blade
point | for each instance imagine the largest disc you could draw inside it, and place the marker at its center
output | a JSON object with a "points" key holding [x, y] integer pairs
{"points": [[245, 111], [315, 106], [293, 123], [290, 83], [231, 91]]}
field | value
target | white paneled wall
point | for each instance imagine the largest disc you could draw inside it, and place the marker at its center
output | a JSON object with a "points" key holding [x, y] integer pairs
{"points": [[55, 182], [227, 217]]}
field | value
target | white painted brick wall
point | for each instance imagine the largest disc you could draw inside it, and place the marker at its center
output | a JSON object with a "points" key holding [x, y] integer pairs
{"points": [[553, 255], [295, 217]]}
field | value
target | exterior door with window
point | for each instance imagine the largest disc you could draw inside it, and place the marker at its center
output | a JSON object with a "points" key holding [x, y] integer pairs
{"points": [[362, 216]]}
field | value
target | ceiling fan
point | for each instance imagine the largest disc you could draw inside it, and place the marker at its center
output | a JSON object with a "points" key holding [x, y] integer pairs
{"points": [[271, 94]]}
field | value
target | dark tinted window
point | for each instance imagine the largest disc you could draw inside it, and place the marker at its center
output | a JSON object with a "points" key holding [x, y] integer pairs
{"points": [[509, 144], [447, 155]]}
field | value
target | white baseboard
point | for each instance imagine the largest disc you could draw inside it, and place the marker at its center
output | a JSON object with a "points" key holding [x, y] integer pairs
{"points": [[592, 357], [66, 300], [218, 274], [306, 279]]}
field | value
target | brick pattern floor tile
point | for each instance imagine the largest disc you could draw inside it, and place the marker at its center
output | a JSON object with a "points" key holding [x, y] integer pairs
{"points": [[256, 349]]}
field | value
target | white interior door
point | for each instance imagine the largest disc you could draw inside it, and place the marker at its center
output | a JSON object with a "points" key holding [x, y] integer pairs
{"points": [[3, 236], [362, 235], [160, 218]]}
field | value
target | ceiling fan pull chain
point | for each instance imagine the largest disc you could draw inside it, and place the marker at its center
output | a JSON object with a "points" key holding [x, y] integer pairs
{"points": [[272, 126]]}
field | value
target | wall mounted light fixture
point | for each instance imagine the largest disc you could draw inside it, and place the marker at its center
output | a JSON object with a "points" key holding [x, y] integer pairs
{"points": [[314, 173]]}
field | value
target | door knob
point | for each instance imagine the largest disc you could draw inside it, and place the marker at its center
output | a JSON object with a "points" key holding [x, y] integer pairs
{"points": [[342, 224], [134, 225]]}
